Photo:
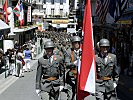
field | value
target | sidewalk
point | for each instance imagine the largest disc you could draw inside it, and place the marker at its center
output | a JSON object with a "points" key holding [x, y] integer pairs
{"points": [[9, 80], [126, 86]]}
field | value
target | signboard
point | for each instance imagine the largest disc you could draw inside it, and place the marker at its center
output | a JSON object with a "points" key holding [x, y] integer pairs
{"points": [[59, 21], [29, 14], [124, 22]]}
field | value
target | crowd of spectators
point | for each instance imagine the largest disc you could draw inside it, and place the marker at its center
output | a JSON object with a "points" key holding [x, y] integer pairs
{"points": [[17, 60]]}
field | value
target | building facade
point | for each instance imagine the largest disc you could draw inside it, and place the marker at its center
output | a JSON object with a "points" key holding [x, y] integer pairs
{"points": [[53, 12]]}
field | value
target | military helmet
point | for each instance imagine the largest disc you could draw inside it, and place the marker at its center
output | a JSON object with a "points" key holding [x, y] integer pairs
{"points": [[49, 44], [76, 39], [104, 42]]}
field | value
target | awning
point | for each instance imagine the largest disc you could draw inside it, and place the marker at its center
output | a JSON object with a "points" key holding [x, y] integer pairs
{"points": [[17, 30], [3, 26]]}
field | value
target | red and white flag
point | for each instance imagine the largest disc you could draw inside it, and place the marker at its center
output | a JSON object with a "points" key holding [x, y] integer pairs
{"points": [[21, 17], [87, 75], [19, 11], [16, 10]]}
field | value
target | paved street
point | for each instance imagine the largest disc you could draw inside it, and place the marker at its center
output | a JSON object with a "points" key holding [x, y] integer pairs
{"points": [[22, 88], [14, 88]]}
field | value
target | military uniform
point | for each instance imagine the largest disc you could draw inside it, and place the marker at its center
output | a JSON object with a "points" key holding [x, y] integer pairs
{"points": [[49, 76], [107, 75], [71, 60]]}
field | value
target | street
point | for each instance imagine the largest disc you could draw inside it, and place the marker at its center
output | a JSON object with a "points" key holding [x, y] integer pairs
{"points": [[23, 88]]}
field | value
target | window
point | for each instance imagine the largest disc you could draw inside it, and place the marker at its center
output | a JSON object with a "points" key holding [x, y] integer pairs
{"points": [[52, 1], [44, 10], [61, 2], [52, 11], [61, 12], [40, 7], [44, 1]]}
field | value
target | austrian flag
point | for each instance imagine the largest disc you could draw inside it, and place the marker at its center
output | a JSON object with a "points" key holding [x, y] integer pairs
{"points": [[87, 75]]}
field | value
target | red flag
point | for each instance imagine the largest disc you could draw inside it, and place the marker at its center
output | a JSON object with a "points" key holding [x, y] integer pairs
{"points": [[5, 6], [88, 70]]}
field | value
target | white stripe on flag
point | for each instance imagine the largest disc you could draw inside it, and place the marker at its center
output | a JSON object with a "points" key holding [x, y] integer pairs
{"points": [[90, 84]]}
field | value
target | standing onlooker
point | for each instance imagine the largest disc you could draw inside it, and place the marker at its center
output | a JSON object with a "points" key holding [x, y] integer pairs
{"points": [[1, 58], [16, 45], [33, 52], [27, 58], [19, 65], [11, 59]]}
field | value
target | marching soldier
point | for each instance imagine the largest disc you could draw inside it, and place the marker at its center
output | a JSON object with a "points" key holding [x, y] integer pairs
{"points": [[107, 73], [71, 60], [49, 78]]}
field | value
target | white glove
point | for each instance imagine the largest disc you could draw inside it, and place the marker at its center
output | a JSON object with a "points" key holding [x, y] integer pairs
{"points": [[115, 85], [75, 62], [38, 91], [61, 88]]}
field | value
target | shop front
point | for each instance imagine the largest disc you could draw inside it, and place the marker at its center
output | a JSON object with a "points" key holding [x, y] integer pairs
{"points": [[24, 35], [4, 30], [124, 43]]}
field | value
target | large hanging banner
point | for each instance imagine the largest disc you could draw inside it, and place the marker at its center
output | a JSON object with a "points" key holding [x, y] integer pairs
{"points": [[29, 14]]}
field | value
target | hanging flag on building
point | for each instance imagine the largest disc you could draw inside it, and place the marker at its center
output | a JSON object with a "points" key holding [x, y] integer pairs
{"points": [[16, 10], [116, 9], [110, 11], [21, 17], [102, 7], [5, 6], [86, 82], [120, 8]]}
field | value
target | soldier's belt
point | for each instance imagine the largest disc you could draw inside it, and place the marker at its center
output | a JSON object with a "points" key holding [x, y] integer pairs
{"points": [[50, 78], [105, 78]]}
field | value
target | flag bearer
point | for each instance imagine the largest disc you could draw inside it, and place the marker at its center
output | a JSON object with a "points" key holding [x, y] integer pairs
{"points": [[107, 72], [71, 60]]}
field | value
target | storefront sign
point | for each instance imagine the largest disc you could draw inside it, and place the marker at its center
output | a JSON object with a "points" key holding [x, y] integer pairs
{"points": [[59, 21], [124, 22]]}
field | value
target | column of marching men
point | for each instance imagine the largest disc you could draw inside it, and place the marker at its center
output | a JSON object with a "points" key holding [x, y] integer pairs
{"points": [[57, 68]]}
